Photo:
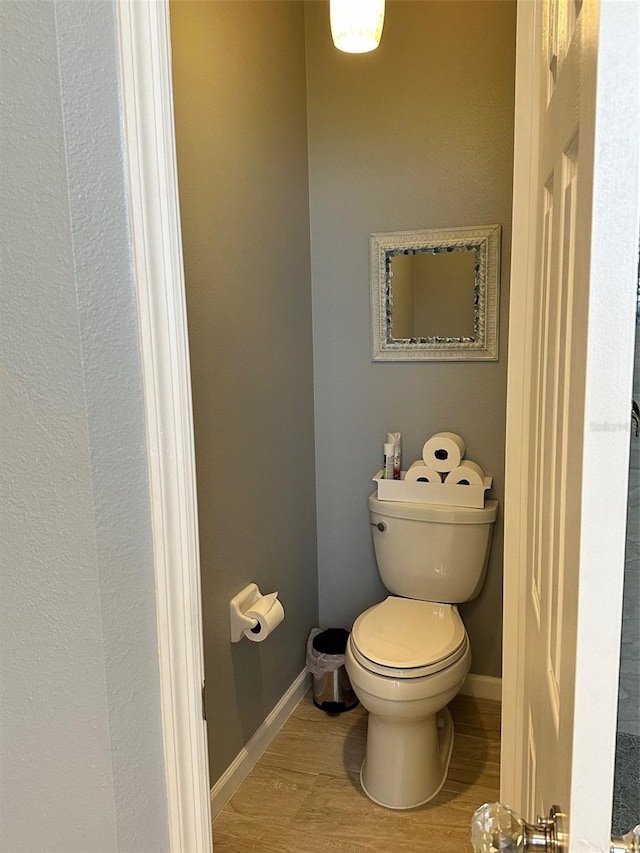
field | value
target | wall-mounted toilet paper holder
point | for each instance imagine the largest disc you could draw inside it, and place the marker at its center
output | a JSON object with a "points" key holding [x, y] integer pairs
{"points": [[245, 600]]}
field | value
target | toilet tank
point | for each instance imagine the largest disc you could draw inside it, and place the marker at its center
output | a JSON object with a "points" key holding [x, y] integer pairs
{"points": [[432, 552]]}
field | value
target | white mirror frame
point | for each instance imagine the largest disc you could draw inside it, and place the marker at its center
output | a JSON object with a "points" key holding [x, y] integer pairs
{"points": [[483, 345]]}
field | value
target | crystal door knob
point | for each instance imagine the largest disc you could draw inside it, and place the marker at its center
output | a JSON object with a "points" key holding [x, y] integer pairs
{"points": [[496, 829], [629, 843]]}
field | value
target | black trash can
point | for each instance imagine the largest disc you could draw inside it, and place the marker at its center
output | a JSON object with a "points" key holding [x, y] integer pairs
{"points": [[332, 691]]}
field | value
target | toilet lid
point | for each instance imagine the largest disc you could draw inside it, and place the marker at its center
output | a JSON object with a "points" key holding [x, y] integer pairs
{"points": [[410, 637]]}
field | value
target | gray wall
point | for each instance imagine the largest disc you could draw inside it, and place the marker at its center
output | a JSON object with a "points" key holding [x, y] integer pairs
{"points": [[82, 764], [239, 90], [417, 134]]}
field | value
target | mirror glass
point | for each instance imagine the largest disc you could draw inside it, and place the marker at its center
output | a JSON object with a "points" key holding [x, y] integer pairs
{"points": [[434, 294]]}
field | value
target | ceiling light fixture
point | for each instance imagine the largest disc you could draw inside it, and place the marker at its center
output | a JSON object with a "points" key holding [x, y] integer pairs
{"points": [[356, 25]]}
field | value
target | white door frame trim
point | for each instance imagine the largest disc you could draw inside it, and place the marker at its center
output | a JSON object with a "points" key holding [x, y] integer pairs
{"points": [[148, 139]]}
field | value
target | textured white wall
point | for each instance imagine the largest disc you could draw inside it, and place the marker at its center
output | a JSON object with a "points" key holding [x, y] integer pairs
{"points": [[82, 765]]}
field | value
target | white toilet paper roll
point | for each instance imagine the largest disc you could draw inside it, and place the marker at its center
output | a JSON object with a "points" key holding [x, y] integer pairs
{"points": [[269, 613], [443, 452], [422, 473], [467, 474]]}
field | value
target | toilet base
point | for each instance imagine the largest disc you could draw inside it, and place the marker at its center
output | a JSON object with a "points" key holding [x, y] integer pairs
{"points": [[406, 764]]}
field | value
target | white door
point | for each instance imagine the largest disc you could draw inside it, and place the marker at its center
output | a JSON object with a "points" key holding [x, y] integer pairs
{"points": [[574, 264]]}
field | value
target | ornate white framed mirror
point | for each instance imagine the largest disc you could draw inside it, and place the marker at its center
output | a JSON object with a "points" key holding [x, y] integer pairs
{"points": [[435, 294]]}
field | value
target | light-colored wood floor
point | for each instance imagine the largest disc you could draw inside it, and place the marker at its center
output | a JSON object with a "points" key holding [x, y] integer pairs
{"points": [[304, 795]]}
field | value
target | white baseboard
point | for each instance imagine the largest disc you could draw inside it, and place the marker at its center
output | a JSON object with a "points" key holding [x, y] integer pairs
{"points": [[482, 687], [249, 755]]}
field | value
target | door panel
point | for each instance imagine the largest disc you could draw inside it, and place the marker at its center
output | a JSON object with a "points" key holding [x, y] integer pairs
{"points": [[571, 351]]}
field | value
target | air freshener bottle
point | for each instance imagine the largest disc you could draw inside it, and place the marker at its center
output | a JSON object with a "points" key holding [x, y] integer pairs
{"points": [[395, 438], [389, 453]]}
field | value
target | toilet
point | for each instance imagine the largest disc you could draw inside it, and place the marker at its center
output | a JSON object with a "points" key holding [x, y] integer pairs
{"points": [[408, 656]]}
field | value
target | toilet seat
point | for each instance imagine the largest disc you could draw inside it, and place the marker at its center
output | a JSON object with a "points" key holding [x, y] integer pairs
{"points": [[408, 638]]}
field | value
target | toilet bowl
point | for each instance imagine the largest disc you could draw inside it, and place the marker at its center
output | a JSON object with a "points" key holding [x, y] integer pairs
{"points": [[408, 656], [410, 732]]}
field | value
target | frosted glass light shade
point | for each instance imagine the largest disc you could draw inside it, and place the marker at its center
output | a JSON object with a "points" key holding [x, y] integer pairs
{"points": [[356, 25]]}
